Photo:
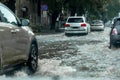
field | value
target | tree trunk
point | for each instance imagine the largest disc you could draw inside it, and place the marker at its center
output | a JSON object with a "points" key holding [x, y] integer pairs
{"points": [[11, 5], [54, 17]]}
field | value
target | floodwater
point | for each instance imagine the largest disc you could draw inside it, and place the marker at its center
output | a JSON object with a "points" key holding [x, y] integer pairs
{"points": [[83, 57]]}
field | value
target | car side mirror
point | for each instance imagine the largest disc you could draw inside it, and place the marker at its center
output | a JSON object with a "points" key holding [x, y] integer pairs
{"points": [[25, 22]]}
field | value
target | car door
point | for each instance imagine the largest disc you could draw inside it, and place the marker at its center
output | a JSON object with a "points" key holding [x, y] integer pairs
{"points": [[12, 53], [1, 46]]}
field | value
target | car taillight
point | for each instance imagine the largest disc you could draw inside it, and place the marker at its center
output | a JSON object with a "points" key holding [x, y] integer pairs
{"points": [[114, 31], [83, 25], [67, 25]]}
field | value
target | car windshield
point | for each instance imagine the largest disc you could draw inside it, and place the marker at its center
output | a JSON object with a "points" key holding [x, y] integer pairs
{"points": [[75, 20]]}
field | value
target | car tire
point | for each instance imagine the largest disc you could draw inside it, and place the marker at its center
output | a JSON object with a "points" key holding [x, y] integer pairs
{"points": [[112, 45], [102, 29], [87, 32], [66, 34], [33, 58]]}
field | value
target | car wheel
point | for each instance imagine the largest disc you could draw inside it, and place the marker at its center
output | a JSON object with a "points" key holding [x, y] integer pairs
{"points": [[87, 32], [112, 45], [102, 29], [33, 58], [66, 34]]}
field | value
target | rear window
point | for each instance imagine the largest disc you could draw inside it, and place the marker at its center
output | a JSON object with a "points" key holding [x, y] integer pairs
{"points": [[75, 20], [97, 22]]}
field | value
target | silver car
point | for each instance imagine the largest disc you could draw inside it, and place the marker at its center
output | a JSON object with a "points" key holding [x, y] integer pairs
{"points": [[76, 25], [17, 41], [97, 25]]}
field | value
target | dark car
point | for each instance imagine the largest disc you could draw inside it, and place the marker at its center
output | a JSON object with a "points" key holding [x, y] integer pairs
{"points": [[17, 41], [115, 33]]}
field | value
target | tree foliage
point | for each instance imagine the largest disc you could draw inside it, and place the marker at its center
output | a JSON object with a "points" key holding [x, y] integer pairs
{"points": [[54, 7], [91, 8], [113, 9], [3, 1]]}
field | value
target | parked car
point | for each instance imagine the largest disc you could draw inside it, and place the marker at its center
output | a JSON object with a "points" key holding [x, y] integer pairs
{"points": [[17, 42], [97, 25], [76, 25], [115, 33]]}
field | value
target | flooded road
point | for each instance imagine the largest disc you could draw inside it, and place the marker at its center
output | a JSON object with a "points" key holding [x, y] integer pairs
{"points": [[84, 57]]}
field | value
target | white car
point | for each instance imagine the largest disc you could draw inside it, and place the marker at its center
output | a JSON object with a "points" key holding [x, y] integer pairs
{"points": [[97, 25], [76, 25]]}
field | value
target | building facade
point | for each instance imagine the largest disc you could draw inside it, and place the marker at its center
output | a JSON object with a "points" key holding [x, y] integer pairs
{"points": [[28, 9], [32, 10]]}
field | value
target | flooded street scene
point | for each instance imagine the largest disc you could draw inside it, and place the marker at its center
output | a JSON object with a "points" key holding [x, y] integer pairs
{"points": [[78, 57], [59, 39]]}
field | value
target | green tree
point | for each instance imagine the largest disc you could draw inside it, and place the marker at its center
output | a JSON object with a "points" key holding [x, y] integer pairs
{"points": [[113, 9], [90, 8], [54, 7], [93, 7]]}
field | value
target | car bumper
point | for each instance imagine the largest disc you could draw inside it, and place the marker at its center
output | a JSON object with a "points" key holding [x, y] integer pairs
{"points": [[97, 27], [76, 31], [115, 39]]}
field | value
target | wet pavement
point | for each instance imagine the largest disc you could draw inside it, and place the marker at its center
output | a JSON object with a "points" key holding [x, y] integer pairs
{"points": [[78, 57]]}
